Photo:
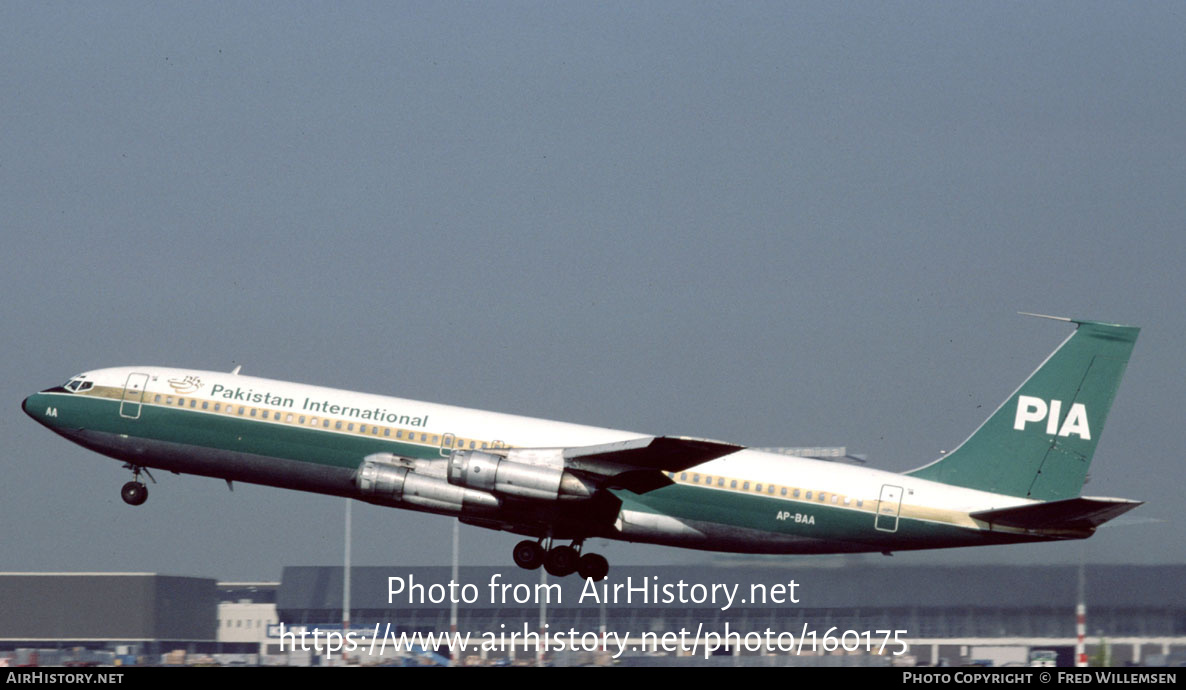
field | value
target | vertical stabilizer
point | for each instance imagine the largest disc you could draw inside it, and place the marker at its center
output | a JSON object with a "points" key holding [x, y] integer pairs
{"points": [[1039, 442]]}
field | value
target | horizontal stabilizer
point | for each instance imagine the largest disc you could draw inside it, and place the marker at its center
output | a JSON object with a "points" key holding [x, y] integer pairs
{"points": [[664, 453], [1070, 513]]}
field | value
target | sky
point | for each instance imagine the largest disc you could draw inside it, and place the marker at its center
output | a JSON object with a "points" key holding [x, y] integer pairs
{"points": [[773, 224]]}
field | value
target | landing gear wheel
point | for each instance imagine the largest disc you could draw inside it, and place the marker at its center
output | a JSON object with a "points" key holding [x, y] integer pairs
{"points": [[134, 493], [561, 561], [593, 567], [528, 555]]}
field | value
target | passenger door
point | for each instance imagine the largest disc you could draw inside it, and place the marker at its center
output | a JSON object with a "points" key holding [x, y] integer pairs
{"points": [[129, 406], [888, 508]]}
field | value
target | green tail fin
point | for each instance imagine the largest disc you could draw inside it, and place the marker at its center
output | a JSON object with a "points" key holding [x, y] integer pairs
{"points": [[1039, 442]]}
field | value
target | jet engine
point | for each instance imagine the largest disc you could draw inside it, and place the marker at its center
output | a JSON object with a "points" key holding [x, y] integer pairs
{"points": [[388, 483], [504, 476]]}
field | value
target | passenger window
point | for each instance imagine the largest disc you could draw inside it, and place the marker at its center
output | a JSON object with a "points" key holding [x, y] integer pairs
{"points": [[808, 496], [784, 491], [757, 487], [349, 427], [771, 491], [218, 407], [720, 481], [683, 477], [205, 405], [337, 426], [733, 484], [833, 499], [288, 418], [253, 412], [242, 410], [822, 497], [387, 432], [157, 398], [860, 503], [193, 403], [745, 486]]}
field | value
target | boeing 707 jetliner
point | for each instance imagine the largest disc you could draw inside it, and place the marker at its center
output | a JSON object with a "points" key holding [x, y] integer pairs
{"points": [[1017, 478]]}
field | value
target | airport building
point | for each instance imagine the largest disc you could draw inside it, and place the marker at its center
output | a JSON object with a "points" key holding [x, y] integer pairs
{"points": [[831, 615], [45, 617]]}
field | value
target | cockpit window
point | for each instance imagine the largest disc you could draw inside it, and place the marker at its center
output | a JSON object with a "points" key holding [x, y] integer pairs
{"points": [[78, 384]]}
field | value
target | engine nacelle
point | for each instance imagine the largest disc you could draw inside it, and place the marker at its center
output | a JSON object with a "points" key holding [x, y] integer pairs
{"points": [[488, 472], [388, 483]]}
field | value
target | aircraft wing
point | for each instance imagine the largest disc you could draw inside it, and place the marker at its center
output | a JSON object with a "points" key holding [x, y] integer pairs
{"points": [[637, 464], [1071, 513], [663, 453]]}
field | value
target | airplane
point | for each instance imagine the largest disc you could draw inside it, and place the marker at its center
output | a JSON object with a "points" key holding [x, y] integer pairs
{"points": [[1017, 478]]}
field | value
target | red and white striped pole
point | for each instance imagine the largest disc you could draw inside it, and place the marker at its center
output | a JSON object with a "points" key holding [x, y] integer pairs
{"points": [[1081, 631]]}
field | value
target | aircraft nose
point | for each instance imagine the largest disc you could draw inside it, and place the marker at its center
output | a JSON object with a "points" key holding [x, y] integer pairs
{"points": [[31, 404]]}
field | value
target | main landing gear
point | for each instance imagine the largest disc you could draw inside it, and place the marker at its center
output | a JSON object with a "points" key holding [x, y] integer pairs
{"points": [[560, 560], [135, 492]]}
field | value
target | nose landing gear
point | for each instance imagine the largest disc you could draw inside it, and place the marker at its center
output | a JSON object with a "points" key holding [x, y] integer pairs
{"points": [[135, 492], [560, 560]]}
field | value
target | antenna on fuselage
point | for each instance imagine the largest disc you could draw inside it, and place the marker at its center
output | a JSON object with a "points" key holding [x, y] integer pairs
{"points": [[235, 371]]}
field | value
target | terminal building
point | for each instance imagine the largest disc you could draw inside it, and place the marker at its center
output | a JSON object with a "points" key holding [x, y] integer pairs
{"points": [[947, 615]]}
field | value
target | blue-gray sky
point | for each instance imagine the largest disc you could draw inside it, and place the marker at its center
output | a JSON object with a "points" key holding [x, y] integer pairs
{"points": [[767, 223]]}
